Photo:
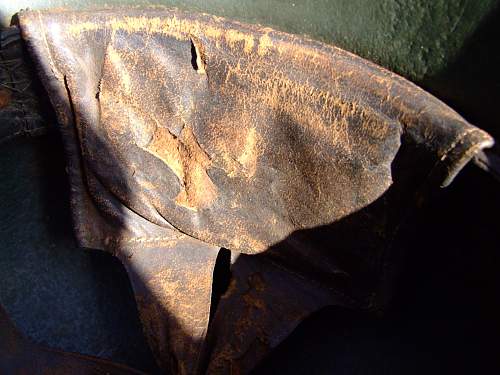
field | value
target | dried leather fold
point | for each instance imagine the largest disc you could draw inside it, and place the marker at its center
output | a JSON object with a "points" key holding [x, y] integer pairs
{"points": [[186, 133]]}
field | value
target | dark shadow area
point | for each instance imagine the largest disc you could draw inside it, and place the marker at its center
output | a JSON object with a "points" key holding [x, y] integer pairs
{"points": [[354, 261], [222, 278], [443, 319], [58, 294], [471, 84]]}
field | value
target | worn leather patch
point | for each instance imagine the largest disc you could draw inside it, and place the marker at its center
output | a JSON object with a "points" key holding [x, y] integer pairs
{"points": [[233, 134]]}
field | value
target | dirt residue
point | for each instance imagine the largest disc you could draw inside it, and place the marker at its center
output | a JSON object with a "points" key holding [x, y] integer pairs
{"points": [[248, 158], [265, 43], [122, 72], [189, 162]]}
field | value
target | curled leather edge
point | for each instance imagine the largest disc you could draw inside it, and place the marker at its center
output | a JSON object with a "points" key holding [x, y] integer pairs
{"points": [[459, 155]]}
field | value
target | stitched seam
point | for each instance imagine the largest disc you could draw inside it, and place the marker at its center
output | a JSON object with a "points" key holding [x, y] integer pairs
{"points": [[153, 239], [457, 142]]}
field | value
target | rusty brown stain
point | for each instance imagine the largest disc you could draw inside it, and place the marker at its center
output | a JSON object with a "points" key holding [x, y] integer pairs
{"points": [[5, 98], [248, 330], [254, 302]]}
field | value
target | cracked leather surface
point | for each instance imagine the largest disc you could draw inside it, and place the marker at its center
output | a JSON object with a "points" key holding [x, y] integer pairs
{"points": [[190, 129]]}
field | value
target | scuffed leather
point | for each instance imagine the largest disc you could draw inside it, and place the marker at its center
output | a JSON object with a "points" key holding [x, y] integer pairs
{"points": [[298, 153], [273, 133]]}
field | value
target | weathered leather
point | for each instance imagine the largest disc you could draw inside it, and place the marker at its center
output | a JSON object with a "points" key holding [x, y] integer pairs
{"points": [[184, 130]]}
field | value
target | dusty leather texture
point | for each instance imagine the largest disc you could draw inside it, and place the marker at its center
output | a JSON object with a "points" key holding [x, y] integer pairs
{"points": [[186, 133]]}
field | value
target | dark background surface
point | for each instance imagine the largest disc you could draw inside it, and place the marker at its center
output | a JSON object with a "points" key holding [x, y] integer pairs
{"points": [[56, 293], [444, 317]]}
